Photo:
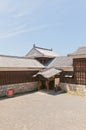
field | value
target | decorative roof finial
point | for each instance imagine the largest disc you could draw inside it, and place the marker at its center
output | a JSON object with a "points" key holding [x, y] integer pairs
{"points": [[34, 46]]}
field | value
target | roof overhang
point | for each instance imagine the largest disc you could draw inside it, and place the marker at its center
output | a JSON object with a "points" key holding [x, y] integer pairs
{"points": [[18, 69], [48, 73], [78, 56], [67, 68]]}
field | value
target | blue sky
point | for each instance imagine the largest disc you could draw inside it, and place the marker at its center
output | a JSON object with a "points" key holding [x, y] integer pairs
{"points": [[57, 24]]}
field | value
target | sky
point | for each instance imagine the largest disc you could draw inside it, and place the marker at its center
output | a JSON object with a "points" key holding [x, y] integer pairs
{"points": [[56, 24]]}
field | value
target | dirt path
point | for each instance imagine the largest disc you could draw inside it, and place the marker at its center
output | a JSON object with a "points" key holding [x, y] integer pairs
{"points": [[41, 111]]}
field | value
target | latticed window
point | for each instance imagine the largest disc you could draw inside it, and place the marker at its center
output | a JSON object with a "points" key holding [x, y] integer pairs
{"points": [[80, 71]]}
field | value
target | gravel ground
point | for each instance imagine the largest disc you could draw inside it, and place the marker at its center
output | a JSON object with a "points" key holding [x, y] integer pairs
{"points": [[41, 111]]}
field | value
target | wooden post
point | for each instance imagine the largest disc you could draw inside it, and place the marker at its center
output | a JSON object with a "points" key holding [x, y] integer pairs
{"points": [[39, 85], [47, 85]]}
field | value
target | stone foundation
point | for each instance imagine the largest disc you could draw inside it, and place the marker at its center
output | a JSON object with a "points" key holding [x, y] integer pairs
{"points": [[19, 88], [79, 89]]}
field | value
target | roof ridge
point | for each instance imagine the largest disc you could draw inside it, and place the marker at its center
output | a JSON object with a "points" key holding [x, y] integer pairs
{"points": [[42, 48]]}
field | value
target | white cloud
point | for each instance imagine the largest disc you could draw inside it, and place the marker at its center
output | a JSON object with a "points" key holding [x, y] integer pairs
{"points": [[11, 14], [19, 7], [20, 27], [20, 14], [19, 31], [25, 7]]}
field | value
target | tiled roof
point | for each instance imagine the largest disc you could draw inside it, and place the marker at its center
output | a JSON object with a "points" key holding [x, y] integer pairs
{"points": [[41, 52], [48, 73], [60, 62], [79, 51], [11, 61], [47, 52]]}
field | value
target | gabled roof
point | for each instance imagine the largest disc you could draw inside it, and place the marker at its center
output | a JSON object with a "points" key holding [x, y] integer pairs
{"points": [[79, 51], [48, 73], [61, 62], [19, 62], [41, 52]]}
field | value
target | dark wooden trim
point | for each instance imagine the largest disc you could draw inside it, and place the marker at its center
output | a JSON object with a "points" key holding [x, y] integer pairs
{"points": [[12, 77]]}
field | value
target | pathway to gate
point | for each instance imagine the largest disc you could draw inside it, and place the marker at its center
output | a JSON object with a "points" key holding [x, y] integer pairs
{"points": [[42, 111]]}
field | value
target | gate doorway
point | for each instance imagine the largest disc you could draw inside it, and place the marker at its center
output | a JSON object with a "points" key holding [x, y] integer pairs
{"points": [[51, 85], [43, 86]]}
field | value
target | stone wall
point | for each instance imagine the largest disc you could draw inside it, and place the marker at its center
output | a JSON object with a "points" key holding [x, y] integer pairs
{"points": [[79, 89], [19, 88]]}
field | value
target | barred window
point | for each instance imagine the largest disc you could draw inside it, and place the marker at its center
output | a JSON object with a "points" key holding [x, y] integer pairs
{"points": [[80, 71]]}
